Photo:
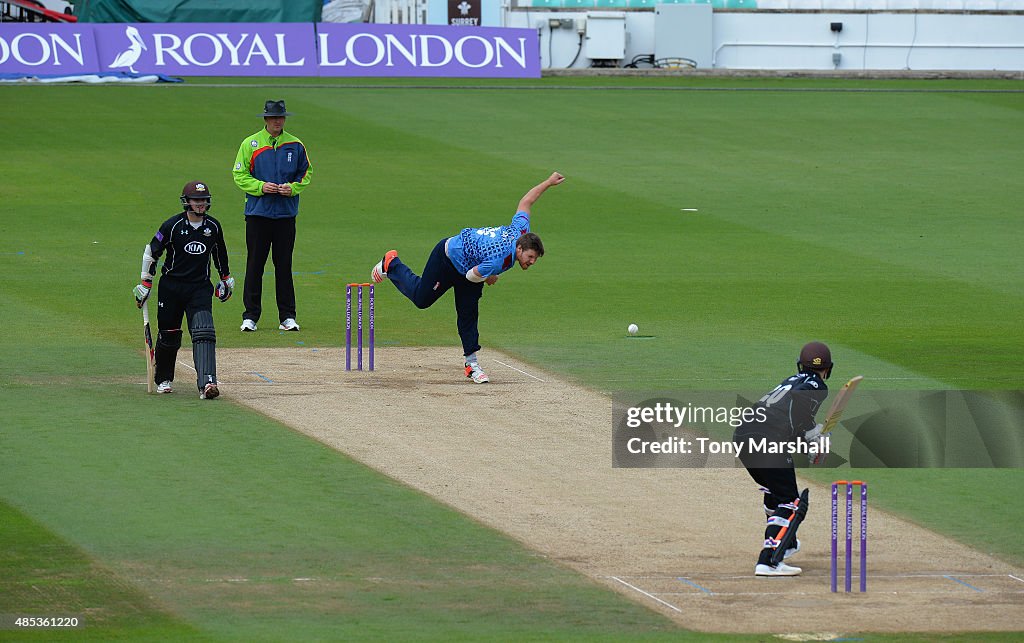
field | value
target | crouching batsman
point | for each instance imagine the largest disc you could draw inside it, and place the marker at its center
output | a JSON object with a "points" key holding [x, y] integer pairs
{"points": [[190, 238], [465, 263], [787, 418]]}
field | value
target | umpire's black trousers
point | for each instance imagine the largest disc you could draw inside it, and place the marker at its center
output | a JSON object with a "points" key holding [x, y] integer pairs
{"points": [[275, 237]]}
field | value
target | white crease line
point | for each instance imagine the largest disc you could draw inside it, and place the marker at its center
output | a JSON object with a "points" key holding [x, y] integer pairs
{"points": [[523, 372], [665, 603], [744, 379], [268, 579], [894, 592], [908, 575]]}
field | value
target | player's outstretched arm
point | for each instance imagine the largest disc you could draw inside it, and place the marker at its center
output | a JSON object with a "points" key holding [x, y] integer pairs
{"points": [[531, 197]]}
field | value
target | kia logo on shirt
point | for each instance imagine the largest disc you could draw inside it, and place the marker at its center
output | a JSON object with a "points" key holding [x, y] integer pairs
{"points": [[195, 248]]}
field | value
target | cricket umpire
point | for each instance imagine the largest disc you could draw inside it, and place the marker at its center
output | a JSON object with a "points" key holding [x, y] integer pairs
{"points": [[272, 168], [466, 262], [190, 238], [787, 415]]}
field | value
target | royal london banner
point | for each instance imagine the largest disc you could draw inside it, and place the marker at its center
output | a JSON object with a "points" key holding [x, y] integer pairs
{"points": [[269, 49]]}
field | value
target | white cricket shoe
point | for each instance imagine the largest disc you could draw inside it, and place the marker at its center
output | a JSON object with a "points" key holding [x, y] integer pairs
{"points": [[209, 392], [164, 387], [782, 569], [475, 373], [288, 324], [792, 550], [248, 326], [380, 271]]}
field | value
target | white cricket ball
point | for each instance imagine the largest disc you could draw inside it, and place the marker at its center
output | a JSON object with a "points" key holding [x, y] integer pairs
{"points": [[633, 329]]}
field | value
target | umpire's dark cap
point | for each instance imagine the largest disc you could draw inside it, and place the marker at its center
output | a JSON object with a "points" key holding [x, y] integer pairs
{"points": [[275, 108]]}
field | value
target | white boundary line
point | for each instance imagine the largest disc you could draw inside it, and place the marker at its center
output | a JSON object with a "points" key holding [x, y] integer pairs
{"points": [[523, 372], [647, 594]]}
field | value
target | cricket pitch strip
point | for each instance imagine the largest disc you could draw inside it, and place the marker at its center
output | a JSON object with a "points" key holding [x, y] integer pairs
{"points": [[530, 455]]}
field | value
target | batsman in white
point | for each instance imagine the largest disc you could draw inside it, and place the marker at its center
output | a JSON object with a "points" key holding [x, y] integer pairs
{"points": [[466, 262], [190, 238]]}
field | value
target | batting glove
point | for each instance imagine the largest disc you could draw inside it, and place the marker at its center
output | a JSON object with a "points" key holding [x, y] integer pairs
{"points": [[818, 458], [225, 287], [141, 292], [812, 434]]}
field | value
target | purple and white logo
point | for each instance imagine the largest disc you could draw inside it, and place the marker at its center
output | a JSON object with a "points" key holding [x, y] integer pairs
{"points": [[185, 49], [269, 49], [426, 50], [37, 48], [131, 55]]}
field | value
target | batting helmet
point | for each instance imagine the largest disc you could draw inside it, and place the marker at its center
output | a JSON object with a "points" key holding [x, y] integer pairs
{"points": [[195, 190], [815, 356]]}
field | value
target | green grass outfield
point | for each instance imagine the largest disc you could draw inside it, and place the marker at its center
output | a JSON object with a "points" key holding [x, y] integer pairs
{"points": [[886, 223]]}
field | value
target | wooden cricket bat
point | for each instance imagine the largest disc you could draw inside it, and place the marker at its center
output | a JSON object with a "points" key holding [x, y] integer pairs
{"points": [[839, 404], [150, 356], [836, 412]]}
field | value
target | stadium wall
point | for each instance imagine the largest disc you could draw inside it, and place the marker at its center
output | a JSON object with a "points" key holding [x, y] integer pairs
{"points": [[801, 40]]}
